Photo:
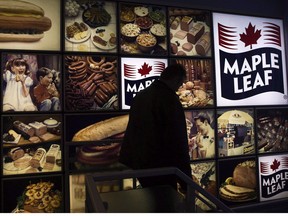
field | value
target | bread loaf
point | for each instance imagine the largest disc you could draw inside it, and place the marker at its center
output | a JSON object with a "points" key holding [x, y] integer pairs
{"points": [[102, 129]]}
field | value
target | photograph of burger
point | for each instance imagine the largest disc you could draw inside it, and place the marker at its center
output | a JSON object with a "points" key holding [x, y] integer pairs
{"points": [[97, 141], [34, 195], [197, 89], [190, 33], [204, 174], [91, 83], [272, 130], [238, 181], [32, 24], [143, 29], [90, 26]]}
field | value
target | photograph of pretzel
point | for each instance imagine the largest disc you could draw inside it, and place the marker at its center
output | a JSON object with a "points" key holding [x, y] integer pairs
{"points": [[91, 83]]}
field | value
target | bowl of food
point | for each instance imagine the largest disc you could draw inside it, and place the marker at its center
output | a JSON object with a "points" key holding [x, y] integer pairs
{"points": [[159, 31], [141, 11], [127, 16], [130, 31], [146, 42], [157, 16], [144, 23]]}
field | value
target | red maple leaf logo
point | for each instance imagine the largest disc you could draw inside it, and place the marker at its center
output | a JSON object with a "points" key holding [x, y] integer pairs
{"points": [[145, 69], [251, 36], [275, 165]]}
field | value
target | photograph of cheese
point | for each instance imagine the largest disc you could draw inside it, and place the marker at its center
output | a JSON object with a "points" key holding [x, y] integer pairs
{"points": [[189, 32]]}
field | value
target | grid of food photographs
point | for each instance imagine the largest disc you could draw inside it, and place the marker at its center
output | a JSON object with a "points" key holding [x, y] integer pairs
{"points": [[65, 82]]}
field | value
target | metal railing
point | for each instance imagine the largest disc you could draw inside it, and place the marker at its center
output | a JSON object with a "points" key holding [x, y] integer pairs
{"points": [[95, 203]]}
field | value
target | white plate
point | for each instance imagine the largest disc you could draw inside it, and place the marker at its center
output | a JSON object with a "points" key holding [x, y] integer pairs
{"points": [[105, 35], [73, 40]]}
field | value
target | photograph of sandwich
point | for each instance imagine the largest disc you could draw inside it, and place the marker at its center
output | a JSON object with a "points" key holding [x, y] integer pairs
{"points": [[98, 140], [90, 26], [272, 130], [30, 24], [238, 181]]}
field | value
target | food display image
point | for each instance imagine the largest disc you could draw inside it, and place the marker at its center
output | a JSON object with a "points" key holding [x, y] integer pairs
{"points": [[30, 24], [235, 132], [197, 90], [201, 136], [14, 17], [100, 140], [238, 181], [91, 83], [143, 29], [30, 130], [272, 130], [34, 195], [90, 26], [204, 174], [36, 159], [190, 33]]}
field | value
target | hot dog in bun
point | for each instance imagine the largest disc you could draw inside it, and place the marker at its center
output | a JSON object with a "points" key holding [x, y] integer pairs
{"points": [[22, 21]]}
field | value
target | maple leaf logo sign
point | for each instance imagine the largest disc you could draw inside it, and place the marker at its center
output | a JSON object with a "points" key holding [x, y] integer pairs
{"points": [[275, 165], [251, 35], [145, 69]]}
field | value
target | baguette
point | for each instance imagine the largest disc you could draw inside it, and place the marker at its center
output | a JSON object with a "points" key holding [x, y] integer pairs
{"points": [[103, 129]]}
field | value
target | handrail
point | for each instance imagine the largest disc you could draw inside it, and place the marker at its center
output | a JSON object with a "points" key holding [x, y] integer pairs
{"points": [[192, 187]]}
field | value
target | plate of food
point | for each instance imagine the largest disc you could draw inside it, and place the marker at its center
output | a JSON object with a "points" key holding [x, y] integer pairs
{"points": [[77, 32], [104, 38]]}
